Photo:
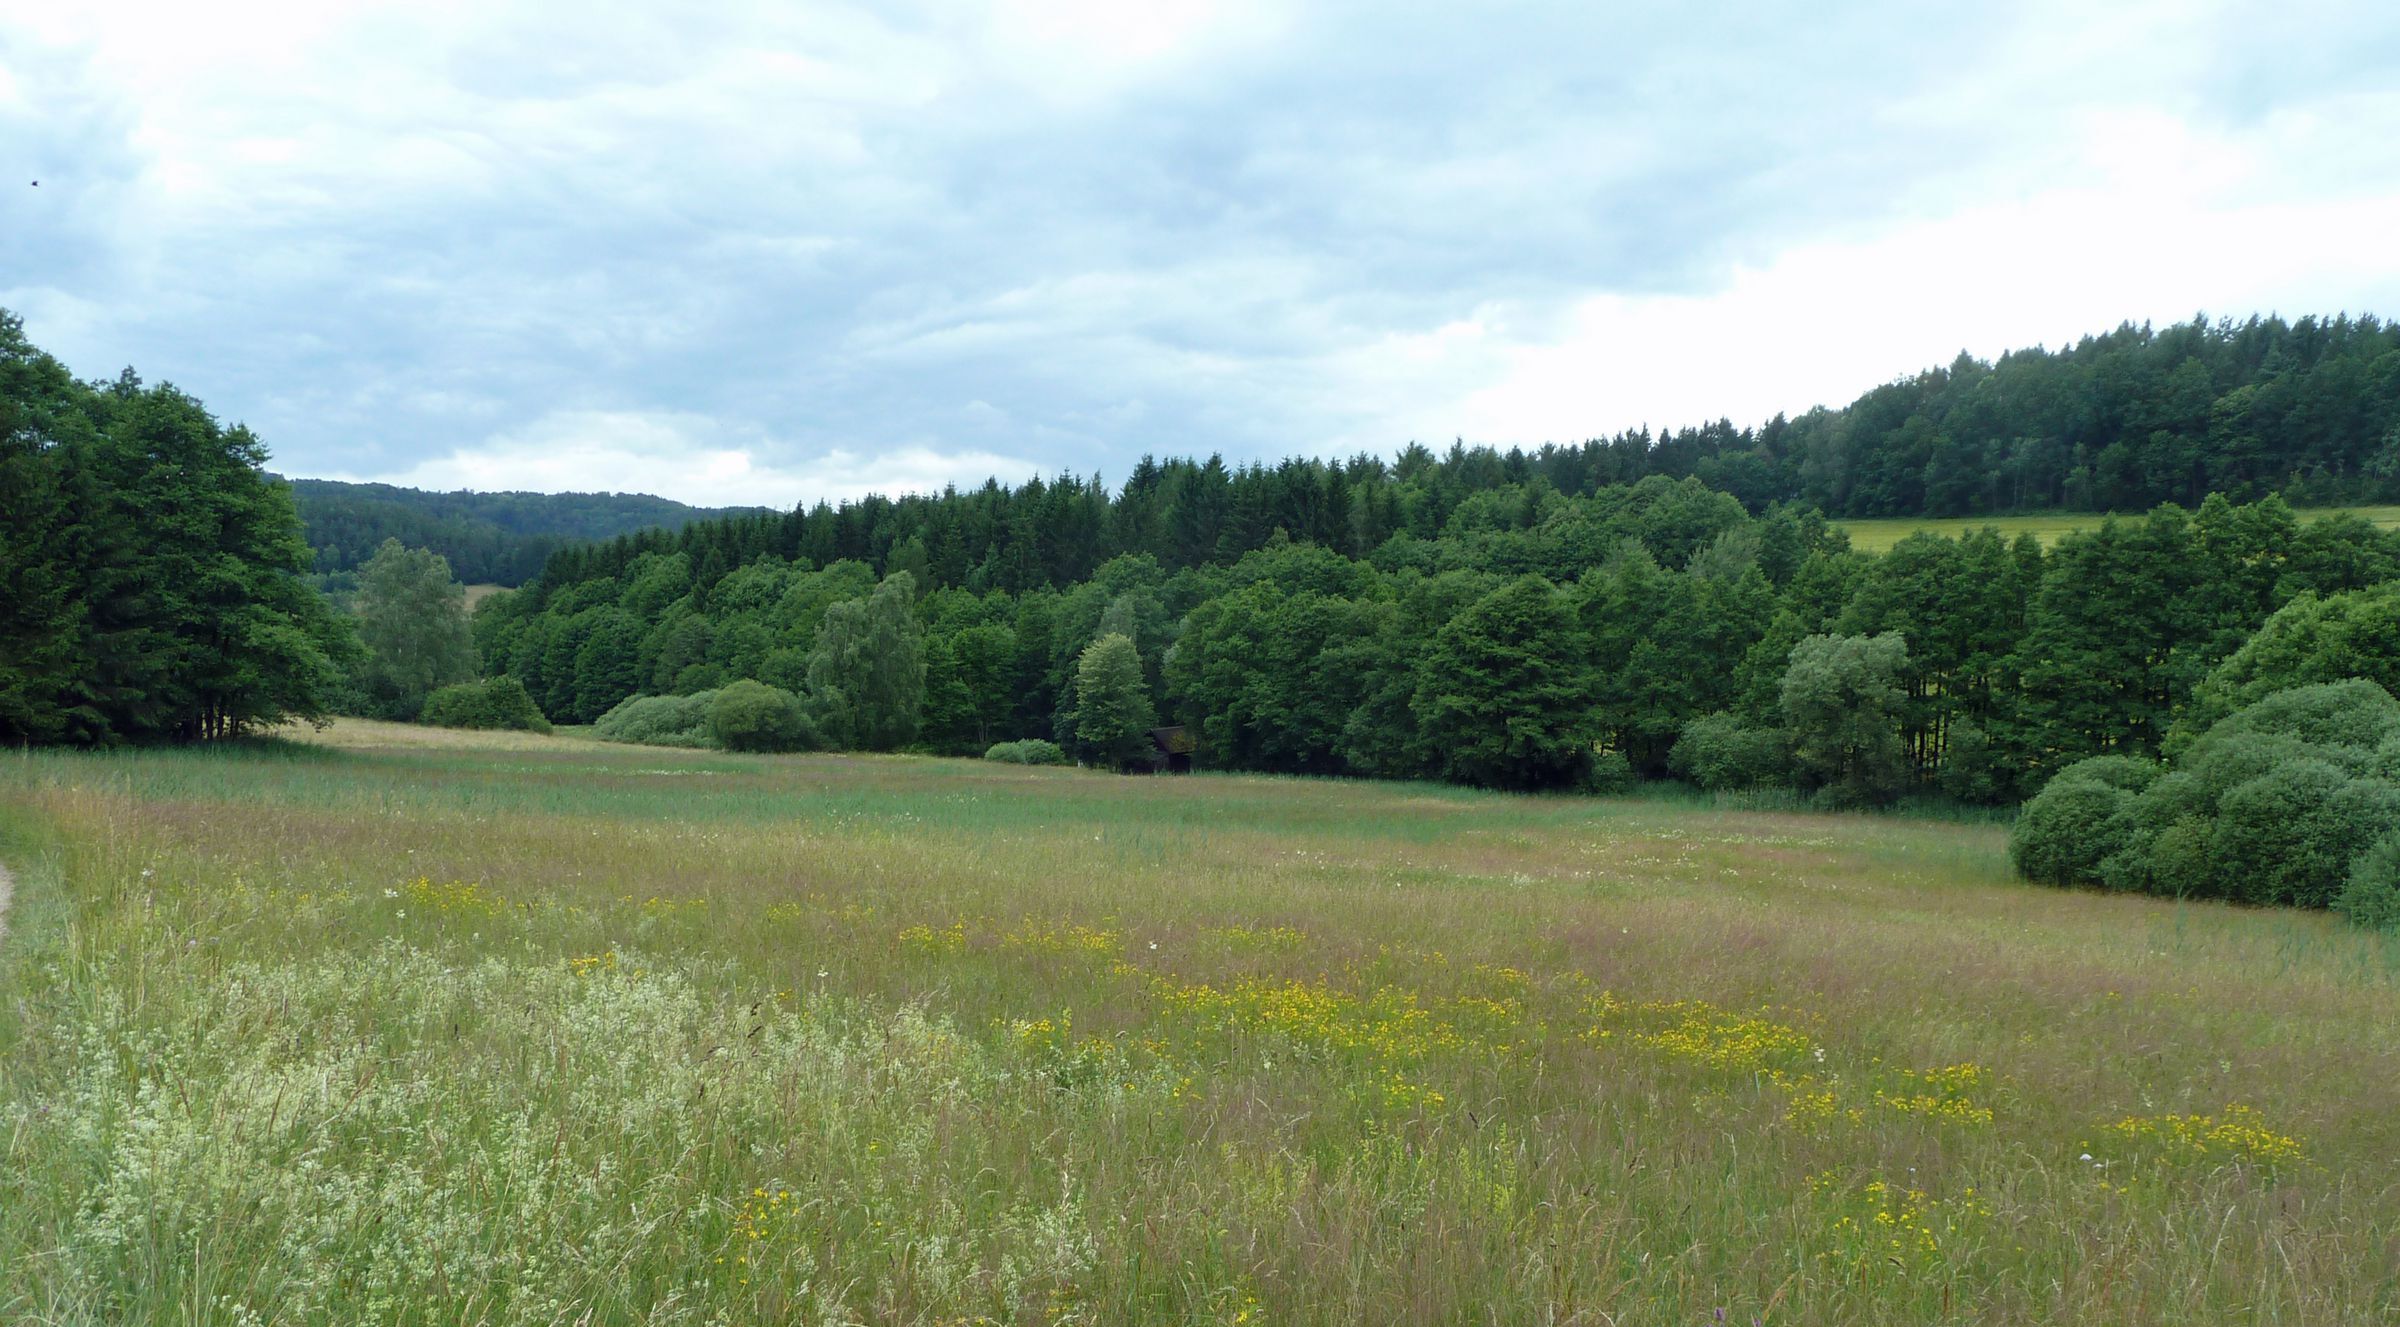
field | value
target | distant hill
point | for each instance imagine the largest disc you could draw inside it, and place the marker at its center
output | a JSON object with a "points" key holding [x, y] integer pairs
{"points": [[489, 538]]}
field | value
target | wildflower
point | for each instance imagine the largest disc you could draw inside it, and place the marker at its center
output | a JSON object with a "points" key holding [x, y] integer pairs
{"points": [[823, 973], [1154, 945], [391, 893]]}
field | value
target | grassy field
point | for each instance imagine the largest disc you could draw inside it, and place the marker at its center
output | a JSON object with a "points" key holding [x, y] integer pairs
{"points": [[398, 1027], [1874, 536]]}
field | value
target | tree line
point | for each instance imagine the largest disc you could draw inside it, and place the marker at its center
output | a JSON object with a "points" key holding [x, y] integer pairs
{"points": [[1537, 641], [2125, 421]]}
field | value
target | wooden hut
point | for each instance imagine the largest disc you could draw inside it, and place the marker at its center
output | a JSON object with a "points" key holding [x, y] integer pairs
{"points": [[1173, 749]]}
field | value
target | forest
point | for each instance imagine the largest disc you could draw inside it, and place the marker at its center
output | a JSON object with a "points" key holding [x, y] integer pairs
{"points": [[1609, 624], [488, 538]]}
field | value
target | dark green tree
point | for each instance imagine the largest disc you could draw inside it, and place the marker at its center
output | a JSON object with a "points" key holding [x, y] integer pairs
{"points": [[1501, 696]]}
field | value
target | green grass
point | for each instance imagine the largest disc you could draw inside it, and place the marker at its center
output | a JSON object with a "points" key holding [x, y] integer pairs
{"points": [[391, 1028], [1875, 536]]}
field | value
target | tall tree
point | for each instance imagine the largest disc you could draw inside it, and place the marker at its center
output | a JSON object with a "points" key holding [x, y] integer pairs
{"points": [[1113, 717], [866, 671], [1501, 693], [1842, 701], [412, 621]]}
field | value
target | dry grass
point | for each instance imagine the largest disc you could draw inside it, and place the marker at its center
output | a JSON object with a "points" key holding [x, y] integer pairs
{"points": [[470, 1028]]}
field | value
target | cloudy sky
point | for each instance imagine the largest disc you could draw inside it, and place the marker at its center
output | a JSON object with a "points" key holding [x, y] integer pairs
{"points": [[766, 252]]}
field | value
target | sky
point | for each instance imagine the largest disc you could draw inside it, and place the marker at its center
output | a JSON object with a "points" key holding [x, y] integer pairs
{"points": [[768, 253]]}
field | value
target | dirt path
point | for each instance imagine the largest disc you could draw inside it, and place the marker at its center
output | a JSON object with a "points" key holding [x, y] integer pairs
{"points": [[8, 886]]}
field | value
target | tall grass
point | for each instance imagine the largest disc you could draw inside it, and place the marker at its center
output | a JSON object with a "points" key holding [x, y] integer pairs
{"points": [[527, 1032]]}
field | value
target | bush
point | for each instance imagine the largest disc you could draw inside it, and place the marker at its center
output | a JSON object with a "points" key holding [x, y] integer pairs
{"points": [[1031, 751], [2270, 838], [1609, 772], [752, 716], [2126, 772], [659, 721], [2276, 804], [495, 702], [2372, 897], [1719, 752], [2353, 713], [2309, 640], [2070, 827]]}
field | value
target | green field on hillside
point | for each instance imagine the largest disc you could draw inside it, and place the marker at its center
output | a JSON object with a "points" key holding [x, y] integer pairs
{"points": [[395, 1026], [1874, 536]]}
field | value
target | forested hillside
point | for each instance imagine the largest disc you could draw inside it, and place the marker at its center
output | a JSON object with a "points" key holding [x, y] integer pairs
{"points": [[488, 538], [2118, 422]]}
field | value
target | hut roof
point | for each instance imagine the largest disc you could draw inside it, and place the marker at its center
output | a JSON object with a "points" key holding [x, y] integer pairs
{"points": [[1175, 741]]}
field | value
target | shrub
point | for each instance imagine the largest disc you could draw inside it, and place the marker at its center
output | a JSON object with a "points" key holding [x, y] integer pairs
{"points": [[495, 702], [1609, 772], [1031, 751], [2352, 713], [2372, 896], [2309, 640], [752, 716], [2070, 827], [1720, 752], [659, 721], [2126, 772], [2269, 840], [2276, 804]]}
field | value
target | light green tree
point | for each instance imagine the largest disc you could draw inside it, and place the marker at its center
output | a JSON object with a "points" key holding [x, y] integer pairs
{"points": [[1841, 702], [866, 671], [1113, 717], [412, 619]]}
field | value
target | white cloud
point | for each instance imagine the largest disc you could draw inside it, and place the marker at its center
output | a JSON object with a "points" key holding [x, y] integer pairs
{"points": [[2161, 222], [696, 460], [708, 251]]}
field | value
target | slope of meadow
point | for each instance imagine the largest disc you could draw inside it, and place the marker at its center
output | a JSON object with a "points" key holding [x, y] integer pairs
{"points": [[1877, 534], [543, 1031]]}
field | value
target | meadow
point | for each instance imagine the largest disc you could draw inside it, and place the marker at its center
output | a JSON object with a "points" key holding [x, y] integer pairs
{"points": [[394, 1026], [1878, 535]]}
